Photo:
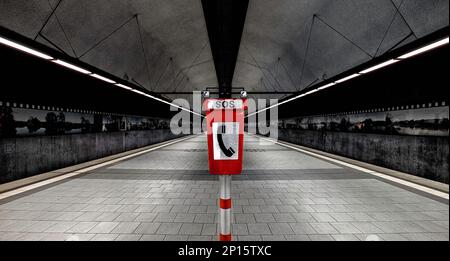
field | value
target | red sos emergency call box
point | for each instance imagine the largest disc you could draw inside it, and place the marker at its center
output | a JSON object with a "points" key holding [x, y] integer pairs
{"points": [[225, 131]]}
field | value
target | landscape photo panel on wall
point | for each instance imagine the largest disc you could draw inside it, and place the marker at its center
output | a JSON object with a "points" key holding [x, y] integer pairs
{"points": [[21, 122], [430, 121]]}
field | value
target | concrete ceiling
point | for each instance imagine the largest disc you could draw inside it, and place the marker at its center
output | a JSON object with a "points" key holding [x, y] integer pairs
{"points": [[274, 49]]}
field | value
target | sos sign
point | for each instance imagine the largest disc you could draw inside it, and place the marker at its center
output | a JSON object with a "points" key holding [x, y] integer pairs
{"points": [[224, 104]]}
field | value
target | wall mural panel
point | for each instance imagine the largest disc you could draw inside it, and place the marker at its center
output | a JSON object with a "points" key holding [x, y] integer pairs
{"points": [[430, 121], [19, 122]]}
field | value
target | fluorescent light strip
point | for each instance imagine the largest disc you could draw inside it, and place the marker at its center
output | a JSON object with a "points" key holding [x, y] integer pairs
{"points": [[348, 78], [293, 98], [381, 65], [81, 70], [24, 49], [71, 66], [327, 86], [166, 102], [139, 92], [174, 105], [306, 93], [424, 49], [102, 78], [123, 86], [312, 91], [278, 104], [376, 67]]}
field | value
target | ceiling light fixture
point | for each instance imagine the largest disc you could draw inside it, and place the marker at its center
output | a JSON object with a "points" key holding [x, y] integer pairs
{"points": [[81, 70], [166, 102], [102, 78], [327, 86], [373, 68], [312, 91], [277, 104], [139, 92], [381, 65], [71, 66], [123, 86], [24, 49], [348, 77], [425, 48]]}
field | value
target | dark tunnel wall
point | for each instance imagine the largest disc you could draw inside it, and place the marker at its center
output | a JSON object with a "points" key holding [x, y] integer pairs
{"points": [[397, 117]]}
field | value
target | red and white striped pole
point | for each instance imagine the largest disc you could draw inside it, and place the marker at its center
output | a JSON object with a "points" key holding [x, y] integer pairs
{"points": [[225, 208]]}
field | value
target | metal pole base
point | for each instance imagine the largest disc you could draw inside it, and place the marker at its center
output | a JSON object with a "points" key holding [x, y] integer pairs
{"points": [[225, 208]]}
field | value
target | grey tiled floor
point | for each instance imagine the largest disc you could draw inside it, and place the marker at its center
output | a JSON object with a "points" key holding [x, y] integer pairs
{"points": [[168, 194]]}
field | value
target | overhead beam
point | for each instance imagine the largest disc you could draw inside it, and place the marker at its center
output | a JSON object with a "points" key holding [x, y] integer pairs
{"points": [[225, 22]]}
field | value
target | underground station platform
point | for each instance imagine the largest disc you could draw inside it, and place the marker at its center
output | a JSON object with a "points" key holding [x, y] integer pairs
{"points": [[284, 193], [248, 126]]}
